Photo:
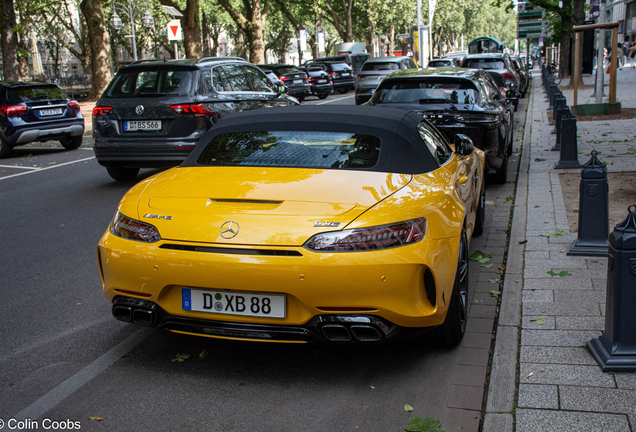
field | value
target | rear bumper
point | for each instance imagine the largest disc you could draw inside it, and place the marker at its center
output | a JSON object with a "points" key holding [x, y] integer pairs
{"points": [[45, 133], [113, 153]]}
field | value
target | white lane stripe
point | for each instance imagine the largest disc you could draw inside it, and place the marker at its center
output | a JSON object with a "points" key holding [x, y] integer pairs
{"points": [[334, 100], [65, 389], [47, 168], [20, 167]]}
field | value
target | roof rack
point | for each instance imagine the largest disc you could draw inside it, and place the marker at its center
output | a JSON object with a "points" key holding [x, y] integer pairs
{"points": [[220, 58]]}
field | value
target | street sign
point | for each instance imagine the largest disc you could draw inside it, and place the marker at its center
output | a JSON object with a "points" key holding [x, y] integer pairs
{"points": [[527, 25], [532, 15], [174, 30], [526, 6], [402, 36], [531, 34]]}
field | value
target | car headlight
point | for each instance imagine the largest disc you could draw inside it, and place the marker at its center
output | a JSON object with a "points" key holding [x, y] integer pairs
{"points": [[132, 229], [367, 239]]}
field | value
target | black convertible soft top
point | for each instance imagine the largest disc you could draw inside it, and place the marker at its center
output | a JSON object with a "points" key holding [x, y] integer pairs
{"points": [[402, 148]]}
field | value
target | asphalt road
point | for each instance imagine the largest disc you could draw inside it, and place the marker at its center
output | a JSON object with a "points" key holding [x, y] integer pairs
{"points": [[64, 358]]}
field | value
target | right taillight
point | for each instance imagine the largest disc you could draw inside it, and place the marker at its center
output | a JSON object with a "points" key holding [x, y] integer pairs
{"points": [[101, 111], [508, 75], [132, 229], [199, 110], [13, 110]]}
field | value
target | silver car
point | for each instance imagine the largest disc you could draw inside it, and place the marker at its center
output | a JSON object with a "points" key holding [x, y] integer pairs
{"points": [[374, 71]]}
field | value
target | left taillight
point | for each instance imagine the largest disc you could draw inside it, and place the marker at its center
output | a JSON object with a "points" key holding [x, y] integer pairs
{"points": [[13, 110], [132, 229], [508, 75], [199, 110], [368, 239], [73, 104], [101, 111]]}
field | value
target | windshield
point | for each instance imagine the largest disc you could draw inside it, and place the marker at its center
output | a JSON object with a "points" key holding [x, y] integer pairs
{"points": [[438, 63], [487, 63], [338, 67], [336, 150], [377, 66], [26, 94], [430, 90], [152, 82], [287, 70]]}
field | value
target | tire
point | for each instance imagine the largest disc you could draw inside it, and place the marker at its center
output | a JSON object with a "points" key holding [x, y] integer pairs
{"points": [[300, 98], [323, 96], [452, 331], [72, 143], [5, 148], [502, 173], [122, 173], [480, 220], [342, 91], [512, 133]]}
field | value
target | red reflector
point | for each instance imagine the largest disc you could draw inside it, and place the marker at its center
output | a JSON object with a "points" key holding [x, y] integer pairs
{"points": [[508, 75], [12, 110], [184, 148], [133, 293], [100, 111], [283, 78], [73, 104], [199, 110]]}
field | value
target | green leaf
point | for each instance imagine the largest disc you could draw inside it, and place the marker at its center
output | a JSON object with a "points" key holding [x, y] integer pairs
{"points": [[495, 281], [494, 293], [181, 358], [480, 256], [429, 424], [561, 273], [408, 408], [204, 354], [539, 160], [487, 265], [554, 234]]}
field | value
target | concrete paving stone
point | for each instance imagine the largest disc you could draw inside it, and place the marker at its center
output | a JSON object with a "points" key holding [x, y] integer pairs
{"points": [[498, 422], [563, 338], [480, 325], [558, 283], [538, 273], [486, 276], [538, 396], [567, 375], [558, 254], [567, 239], [467, 375], [484, 299], [557, 263], [538, 296], [473, 356], [502, 386], [510, 310], [461, 419], [533, 322], [484, 287], [532, 420], [576, 295], [601, 308], [481, 311], [465, 397], [574, 308], [556, 355], [580, 323], [537, 255], [625, 380], [477, 340], [599, 284], [597, 399], [584, 273]]}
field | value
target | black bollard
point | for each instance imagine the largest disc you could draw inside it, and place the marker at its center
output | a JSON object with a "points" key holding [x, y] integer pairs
{"points": [[553, 92], [593, 210], [569, 150], [561, 112], [559, 101], [615, 350]]}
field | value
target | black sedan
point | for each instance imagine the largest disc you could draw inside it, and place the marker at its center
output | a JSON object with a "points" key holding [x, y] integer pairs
{"points": [[457, 101], [31, 112], [292, 78], [319, 81]]}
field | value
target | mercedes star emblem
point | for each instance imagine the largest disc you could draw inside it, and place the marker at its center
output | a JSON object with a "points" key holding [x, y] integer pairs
{"points": [[229, 229], [140, 109]]}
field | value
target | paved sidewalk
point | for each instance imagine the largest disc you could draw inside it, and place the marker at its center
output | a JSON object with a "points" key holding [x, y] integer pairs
{"points": [[543, 378]]}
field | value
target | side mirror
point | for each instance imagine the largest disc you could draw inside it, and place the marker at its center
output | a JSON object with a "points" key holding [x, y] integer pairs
{"points": [[463, 145], [282, 89], [512, 94]]}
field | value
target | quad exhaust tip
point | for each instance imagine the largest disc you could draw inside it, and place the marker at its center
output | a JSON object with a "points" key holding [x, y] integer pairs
{"points": [[360, 333]]}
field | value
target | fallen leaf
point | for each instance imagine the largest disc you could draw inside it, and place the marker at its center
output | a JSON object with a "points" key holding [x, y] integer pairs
{"points": [[523, 242], [494, 293], [561, 273], [487, 265], [495, 281], [554, 234], [408, 408], [482, 257], [96, 418], [181, 358], [204, 354]]}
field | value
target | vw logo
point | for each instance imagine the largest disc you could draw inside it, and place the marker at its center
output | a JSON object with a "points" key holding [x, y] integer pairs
{"points": [[140, 109], [229, 229]]}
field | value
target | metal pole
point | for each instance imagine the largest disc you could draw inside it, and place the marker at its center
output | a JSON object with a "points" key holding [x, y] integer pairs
{"points": [[131, 16], [420, 38], [600, 63]]}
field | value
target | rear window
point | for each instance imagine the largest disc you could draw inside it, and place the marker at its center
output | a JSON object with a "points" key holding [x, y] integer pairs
{"points": [[287, 70], [439, 63], [485, 63], [337, 67], [152, 82], [433, 90], [378, 66], [26, 94], [331, 150]]}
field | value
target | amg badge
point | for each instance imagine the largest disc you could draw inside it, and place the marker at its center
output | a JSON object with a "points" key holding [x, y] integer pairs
{"points": [[154, 216], [319, 223]]}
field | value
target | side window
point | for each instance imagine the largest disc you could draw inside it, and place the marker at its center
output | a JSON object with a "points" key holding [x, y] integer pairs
{"points": [[205, 82], [435, 144], [236, 79], [260, 82], [219, 82], [495, 94], [411, 64]]}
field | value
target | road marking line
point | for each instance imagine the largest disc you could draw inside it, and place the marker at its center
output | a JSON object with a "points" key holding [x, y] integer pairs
{"points": [[334, 100], [20, 167], [65, 389], [47, 168]]}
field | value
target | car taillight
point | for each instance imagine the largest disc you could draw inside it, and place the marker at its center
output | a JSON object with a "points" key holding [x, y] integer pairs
{"points": [[199, 110], [333, 74], [284, 78], [73, 104], [508, 75], [312, 79], [13, 110], [101, 111], [366, 239], [132, 229]]}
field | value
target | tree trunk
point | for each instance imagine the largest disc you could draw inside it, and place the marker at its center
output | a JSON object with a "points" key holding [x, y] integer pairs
{"points": [[391, 35], [566, 40], [9, 42], [348, 9], [192, 30], [207, 51], [370, 36], [23, 56], [101, 65]]}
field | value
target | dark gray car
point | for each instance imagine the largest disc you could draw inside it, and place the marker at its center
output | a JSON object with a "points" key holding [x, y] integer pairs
{"points": [[153, 112]]}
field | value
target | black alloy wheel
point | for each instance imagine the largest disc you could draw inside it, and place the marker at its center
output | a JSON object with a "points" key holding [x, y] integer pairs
{"points": [[454, 327], [71, 143], [502, 173], [122, 173], [480, 220], [323, 95]]}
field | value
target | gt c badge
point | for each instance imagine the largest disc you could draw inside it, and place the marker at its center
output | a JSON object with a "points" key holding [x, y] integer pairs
{"points": [[154, 216], [229, 229], [320, 223]]}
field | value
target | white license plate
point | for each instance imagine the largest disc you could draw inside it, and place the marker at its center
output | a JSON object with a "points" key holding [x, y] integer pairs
{"points": [[345, 74], [298, 81], [145, 125], [50, 112], [322, 81], [233, 303]]}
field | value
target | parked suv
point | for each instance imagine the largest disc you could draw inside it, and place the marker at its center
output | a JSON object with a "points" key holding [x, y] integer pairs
{"points": [[374, 71], [292, 78], [340, 73], [500, 63], [31, 112], [154, 111]]}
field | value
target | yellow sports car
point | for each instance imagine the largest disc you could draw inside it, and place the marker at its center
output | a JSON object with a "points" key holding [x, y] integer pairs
{"points": [[339, 224]]}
